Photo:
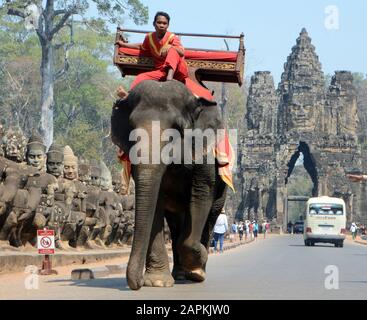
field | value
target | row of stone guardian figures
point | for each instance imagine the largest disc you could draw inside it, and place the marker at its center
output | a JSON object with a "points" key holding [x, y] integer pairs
{"points": [[82, 201]]}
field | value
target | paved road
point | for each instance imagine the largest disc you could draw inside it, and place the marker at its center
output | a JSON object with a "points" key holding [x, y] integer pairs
{"points": [[280, 267]]}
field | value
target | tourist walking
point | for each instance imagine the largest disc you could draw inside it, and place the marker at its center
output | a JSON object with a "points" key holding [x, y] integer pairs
{"points": [[353, 229], [265, 228], [234, 229], [251, 230], [220, 228], [241, 228], [247, 229], [255, 229]]}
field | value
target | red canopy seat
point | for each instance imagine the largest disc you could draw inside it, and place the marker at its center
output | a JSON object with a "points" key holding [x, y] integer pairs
{"points": [[204, 65]]}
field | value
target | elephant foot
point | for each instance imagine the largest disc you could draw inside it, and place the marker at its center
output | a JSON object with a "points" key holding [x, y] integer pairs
{"points": [[197, 275], [178, 274], [163, 279], [134, 280]]}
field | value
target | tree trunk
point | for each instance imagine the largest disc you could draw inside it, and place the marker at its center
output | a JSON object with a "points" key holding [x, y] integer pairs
{"points": [[47, 94]]}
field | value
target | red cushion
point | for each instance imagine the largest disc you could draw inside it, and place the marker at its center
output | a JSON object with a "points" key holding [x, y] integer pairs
{"points": [[228, 56]]}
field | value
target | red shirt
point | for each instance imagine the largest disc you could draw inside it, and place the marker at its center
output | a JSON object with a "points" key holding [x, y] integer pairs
{"points": [[154, 46]]}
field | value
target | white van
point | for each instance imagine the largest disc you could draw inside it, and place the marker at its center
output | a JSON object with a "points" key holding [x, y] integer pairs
{"points": [[325, 221]]}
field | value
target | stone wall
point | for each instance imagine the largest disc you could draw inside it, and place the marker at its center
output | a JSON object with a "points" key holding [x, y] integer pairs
{"points": [[301, 116]]}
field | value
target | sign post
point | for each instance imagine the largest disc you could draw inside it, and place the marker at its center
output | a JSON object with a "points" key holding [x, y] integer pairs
{"points": [[46, 247]]}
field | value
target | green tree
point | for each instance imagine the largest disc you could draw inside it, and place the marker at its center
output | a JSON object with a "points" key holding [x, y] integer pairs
{"points": [[47, 19], [84, 100], [19, 75]]}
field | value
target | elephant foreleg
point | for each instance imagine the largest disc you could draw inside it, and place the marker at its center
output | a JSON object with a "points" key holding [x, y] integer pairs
{"points": [[157, 273], [176, 222], [193, 254]]}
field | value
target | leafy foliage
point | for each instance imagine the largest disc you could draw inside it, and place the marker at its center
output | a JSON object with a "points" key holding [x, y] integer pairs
{"points": [[83, 97]]}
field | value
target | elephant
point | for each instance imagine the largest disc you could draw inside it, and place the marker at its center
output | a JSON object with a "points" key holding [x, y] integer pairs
{"points": [[190, 196]]}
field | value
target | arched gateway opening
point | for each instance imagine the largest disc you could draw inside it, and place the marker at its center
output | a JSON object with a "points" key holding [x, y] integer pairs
{"points": [[301, 183]]}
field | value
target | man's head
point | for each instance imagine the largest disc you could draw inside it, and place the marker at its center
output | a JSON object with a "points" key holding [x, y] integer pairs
{"points": [[161, 22]]}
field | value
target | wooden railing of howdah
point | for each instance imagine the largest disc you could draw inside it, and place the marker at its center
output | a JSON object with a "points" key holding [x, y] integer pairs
{"points": [[200, 69]]}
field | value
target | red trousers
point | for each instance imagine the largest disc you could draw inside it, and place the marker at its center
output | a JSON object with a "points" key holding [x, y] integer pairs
{"points": [[178, 64], [173, 61]]}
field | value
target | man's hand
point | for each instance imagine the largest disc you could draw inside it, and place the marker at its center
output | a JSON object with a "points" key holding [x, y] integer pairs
{"points": [[121, 92], [164, 51], [120, 43]]}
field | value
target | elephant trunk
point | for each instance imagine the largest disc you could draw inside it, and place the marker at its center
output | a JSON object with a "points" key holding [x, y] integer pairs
{"points": [[147, 184]]}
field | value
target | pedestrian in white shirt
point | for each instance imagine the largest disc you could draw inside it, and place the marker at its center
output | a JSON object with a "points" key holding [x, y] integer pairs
{"points": [[220, 228], [353, 229]]}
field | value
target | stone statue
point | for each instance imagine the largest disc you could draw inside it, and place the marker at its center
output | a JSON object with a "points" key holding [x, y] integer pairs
{"points": [[14, 200], [116, 181], [60, 211], [77, 189], [18, 201], [36, 152], [92, 225], [15, 144], [39, 185], [55, 161]]}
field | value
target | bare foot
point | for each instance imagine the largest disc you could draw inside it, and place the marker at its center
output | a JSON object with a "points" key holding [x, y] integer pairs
{"points": [[170, 74], [121, 92]]}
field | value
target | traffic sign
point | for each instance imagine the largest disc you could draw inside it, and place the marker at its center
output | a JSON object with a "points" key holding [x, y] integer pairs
{"points": [[46, 241]]}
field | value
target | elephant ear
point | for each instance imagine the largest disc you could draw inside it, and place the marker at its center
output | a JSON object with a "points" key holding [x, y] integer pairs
{"points": [[206, 103], [206, 115]]}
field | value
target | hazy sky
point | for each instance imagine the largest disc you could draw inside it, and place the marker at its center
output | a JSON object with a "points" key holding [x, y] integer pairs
{"points": [[338, 29]]}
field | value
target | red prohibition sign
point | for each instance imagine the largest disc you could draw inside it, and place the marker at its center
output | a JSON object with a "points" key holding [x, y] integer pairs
{"points": [[45, 242]]}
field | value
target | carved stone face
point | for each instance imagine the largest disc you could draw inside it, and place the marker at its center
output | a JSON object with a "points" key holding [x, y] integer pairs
{"points": [[124, 189], [55, 166], [106, 182], [95, 175], [15, 148], [95, 180], [106, 177], [301, 115], [254, 118], [84, 173], [70, 171], [116, 182], [36, 158]]}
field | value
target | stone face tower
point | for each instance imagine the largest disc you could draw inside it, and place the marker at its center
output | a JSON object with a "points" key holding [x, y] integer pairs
{"points": [[301, 90], [302, 116], [258, 153]]}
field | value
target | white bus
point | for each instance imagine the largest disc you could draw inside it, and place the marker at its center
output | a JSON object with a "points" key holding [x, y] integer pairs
{"points": [[325, 221]]}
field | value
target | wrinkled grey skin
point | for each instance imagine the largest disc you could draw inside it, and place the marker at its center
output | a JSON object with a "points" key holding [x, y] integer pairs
{"points": [[190, 197]]}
